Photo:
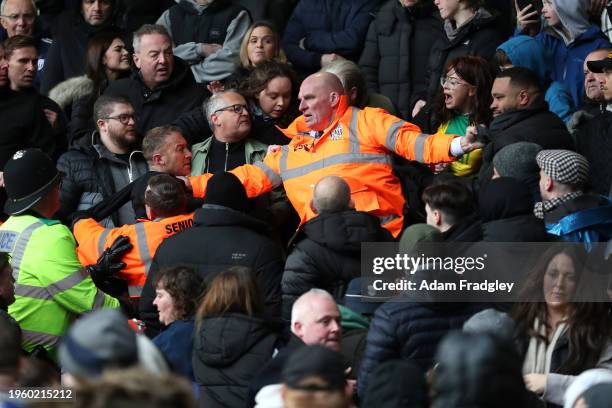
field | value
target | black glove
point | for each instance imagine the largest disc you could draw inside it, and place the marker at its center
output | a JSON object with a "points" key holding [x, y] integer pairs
{"points": [[104, 272]]}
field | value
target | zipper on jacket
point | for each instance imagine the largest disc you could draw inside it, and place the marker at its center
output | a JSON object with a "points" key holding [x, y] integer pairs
{"points": [[226, 156]]}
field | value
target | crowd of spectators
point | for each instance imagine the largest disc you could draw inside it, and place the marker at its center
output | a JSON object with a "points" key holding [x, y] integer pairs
{"points": [[186, 187]]}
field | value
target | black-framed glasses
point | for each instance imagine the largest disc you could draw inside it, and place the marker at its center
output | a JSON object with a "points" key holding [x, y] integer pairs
{"points": [[237, 108], [124, 118]]}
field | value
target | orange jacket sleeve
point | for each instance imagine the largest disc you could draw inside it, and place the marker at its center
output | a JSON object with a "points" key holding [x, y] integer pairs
{"points": [[407, 140], [93, 239], [257, 178]]}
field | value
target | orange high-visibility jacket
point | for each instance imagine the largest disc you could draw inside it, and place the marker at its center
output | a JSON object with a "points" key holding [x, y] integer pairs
{"points": [[358, 147], [145, 237]]}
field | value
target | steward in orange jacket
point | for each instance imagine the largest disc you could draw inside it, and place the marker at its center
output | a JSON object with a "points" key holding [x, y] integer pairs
{"points": [[164, 199], [355, 144]]}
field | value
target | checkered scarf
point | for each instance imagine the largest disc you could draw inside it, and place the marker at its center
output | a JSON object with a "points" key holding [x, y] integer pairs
{"points": [[541, 208]]}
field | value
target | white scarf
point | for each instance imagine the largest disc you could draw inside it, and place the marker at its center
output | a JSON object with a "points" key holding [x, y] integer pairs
{"points": [[539, 353]]}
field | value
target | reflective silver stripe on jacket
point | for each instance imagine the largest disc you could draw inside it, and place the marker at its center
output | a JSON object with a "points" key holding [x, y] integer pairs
{"points": [[102, 240], [38, 338], [419, 147], [47, 293], [20, 247], [143, 247], [391, 139], [354, 145], [270, 174], [342, 158]]}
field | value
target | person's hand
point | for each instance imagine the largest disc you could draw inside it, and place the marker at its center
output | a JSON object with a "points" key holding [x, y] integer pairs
{"points": [[51, 117], [207, 49], [597, 7], [525, 17], [470, 141], [535, 382], [440, 167], [215, 86], [273, 149], [417, 107], [1, 179], [329, 58]]}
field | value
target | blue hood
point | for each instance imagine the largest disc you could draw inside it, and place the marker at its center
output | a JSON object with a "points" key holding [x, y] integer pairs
{"points": [[527, 52]]}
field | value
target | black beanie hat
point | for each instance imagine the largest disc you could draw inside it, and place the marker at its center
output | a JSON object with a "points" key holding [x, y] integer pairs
{"points": [[225, 189]]}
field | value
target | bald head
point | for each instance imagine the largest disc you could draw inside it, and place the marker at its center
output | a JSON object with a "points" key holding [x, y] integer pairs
{"points": [[331, 194], [315, 319], [319, 98]]}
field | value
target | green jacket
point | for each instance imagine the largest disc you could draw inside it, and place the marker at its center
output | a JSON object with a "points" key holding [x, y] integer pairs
{"points": [[254, 151], [51, 286]]}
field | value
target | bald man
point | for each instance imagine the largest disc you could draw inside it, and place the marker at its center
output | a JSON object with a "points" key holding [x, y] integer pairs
{"points": [[327, 250], [333, 138]]}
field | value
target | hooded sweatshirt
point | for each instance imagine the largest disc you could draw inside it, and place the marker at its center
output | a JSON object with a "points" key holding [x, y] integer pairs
{"points": [[569, 49], [524, 51], [218, 65]]}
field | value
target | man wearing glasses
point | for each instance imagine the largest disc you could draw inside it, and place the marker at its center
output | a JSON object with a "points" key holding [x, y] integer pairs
{"points": [[355, 144], [98, 170], [18, 17]]}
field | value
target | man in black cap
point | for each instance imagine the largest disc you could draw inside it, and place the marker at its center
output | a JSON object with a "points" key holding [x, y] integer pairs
{"points": [[594, 138], [51, 286], [222, 235]]}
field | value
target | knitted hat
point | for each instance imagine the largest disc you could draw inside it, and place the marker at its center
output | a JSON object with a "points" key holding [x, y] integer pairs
{"points": [[564, 166], [517, 160], [225, 189], [97, 341]]}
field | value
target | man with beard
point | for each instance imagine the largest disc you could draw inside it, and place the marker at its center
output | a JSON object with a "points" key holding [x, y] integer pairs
{"points": [[111, 162], [520, 114]]}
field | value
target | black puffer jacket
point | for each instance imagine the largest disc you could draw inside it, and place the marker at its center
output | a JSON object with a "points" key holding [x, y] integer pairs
{"points": [[220, 238], [164, 105], [88, 177], [397, 48], [536, 125], [409, 330], [594, 141], [506, 211], [327, 254], [480, 36], [228, 351]]}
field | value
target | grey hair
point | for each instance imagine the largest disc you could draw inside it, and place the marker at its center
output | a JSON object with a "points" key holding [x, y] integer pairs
{"points": [[3, 4], [303, 305], [351, 76], [214, 103], [148, 29]]}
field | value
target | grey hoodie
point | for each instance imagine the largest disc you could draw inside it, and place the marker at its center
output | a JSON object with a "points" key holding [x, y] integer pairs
{"points": [[220, 64], [574, 16]]}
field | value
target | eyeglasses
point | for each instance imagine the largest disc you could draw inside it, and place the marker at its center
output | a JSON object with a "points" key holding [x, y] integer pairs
{"points": [[26, 17], [452, 83], [124, 118], [237, 109]]}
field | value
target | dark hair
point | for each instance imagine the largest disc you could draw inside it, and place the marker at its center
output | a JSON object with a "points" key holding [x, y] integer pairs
{"points": [[166, 195], [16, 42], [521, 77], [96, 48], [589, 325], [184, 285], [5, 260], [103, 107], [156, 138], [500, 59], [234, 290], [452, 198], [10, 344], [477, 72], [262, 74]]}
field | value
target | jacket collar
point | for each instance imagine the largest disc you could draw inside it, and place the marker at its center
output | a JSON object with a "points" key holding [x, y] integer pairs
{"points": [[298, 127]]}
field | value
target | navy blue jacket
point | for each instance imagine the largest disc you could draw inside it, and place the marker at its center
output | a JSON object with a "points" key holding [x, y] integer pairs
{"points": [[327, 26], [409, 330]]}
